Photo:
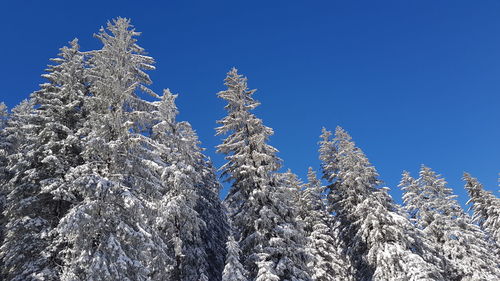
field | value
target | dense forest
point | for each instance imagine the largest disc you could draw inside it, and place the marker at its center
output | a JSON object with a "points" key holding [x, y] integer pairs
{"points": [[100, 181]]}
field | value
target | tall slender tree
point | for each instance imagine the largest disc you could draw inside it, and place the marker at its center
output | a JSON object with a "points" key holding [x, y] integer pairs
{"points": [[213, 237], [110, 233], [4, 149], [4, 174], [189, 208], [233, 270], [464, 247], [380, 242], [17, 135], [36, 199], [213, 213], [260, 209], [327, 262], [485, 205]]}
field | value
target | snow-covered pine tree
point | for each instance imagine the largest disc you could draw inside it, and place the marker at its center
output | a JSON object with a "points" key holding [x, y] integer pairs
{"points": [[36, 199], [4, 175], [109, 234], [485, 205], [411, 192], [327, 261], [4, 148], [180, 222], [260, 209], [233, 270], [189, 207], [20, 251], [213, 213], [464, 247], [208, 205], [13, 136], [381, 243]]}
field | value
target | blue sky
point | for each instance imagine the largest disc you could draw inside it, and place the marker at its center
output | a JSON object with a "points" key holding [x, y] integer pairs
{"points": [[412, 81]]}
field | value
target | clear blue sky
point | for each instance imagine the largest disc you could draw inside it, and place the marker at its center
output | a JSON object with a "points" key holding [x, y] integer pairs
{"points": [[412, 81]]}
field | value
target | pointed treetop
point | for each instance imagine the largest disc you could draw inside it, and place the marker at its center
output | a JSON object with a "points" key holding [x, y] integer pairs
{"points": [[120, 28], [342, 134], [435, 181], [348, 154], [24, 107], [407, 183], [167, 107], [325, 134], [327, 154], [485, 205], [312, 179], [238, 95], [472, 184], [4, 113], [292, 180], [122, 57], [233, 270], [312, 194]]}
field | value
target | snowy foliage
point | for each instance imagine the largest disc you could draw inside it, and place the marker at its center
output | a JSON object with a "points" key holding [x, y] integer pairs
{"points": [[466, 251], [4, 174], [36, 200], [327, 260], [486, 207], [261, 209], [99, 181], [380, 242], [109, 231], [233, 270], [191, 215]]}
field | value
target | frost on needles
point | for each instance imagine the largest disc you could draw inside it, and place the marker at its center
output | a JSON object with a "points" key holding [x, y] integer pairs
{"points": [[261, 210], [100, 181]]}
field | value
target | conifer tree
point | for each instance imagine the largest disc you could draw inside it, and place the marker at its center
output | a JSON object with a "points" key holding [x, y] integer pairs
{"points": [[486, 207], [22, 244], [16, 133], [36, 201], [411, 193], [187, 184], [234, 270], [4, 174], [109, 232], [209, 207], [465, 248], [4, 149], [260, 209], [326, 259], [213, 213], [380, 242]]}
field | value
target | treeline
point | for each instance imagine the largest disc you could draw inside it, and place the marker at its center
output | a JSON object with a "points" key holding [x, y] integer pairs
{"points": [[99, 181]]}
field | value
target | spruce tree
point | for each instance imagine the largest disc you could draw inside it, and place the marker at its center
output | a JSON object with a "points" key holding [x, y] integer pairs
{"points": [[4, 148], [213, 213], [380, 242], [22, 245], [209, 207], [464, 247], [233, 270], [327, 261], [260, 209], [109, 233], [485, 205], [14, 135], [4, 174], [189, 199], [411, 193], [36, 200]]}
